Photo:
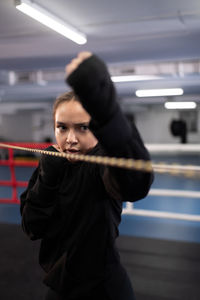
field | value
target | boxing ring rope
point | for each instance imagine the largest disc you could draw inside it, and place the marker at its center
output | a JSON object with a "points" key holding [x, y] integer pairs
{"points": [[128, 163], [174, 148], [188, 171], [168, 149], [130, 210]]}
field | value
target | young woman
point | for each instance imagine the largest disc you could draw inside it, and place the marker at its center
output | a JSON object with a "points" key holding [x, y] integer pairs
{"points": [[75, 207]]}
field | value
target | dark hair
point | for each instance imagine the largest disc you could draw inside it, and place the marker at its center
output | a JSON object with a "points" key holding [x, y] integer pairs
{"points": [[66, 97]]}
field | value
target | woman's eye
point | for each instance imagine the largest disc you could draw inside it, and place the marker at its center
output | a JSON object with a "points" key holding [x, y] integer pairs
{"points": [[61, 128], [84, 127]]}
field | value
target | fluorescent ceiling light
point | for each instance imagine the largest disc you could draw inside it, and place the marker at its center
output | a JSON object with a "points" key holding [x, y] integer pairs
{"points": [[38, 13], [180, 105], [159, 92], [127, 78]]}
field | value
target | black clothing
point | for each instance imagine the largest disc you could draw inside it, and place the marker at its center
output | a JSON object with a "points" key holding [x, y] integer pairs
{"points": [[116, 288], [49, 163], [99, 85], [77, 219]]}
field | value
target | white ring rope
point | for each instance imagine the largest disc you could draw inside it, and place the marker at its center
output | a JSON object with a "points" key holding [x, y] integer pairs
{"points": [[130, 210]]}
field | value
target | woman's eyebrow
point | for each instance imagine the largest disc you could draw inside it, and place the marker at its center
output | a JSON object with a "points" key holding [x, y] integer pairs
{"points": [[75, 124], [82, 124], [60, 123]]}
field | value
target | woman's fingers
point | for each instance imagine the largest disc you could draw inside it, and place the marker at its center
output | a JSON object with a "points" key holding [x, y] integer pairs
{"points": [[75, 62]]}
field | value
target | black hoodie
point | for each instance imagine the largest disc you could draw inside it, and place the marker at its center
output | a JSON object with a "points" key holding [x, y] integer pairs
{"points": [[77, 220]]}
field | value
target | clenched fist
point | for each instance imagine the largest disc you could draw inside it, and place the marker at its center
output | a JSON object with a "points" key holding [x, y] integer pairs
{"points": [[75, 62]]}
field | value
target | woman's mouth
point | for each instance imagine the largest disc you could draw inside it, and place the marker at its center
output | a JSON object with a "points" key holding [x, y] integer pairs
{"points": [[72, 151]]}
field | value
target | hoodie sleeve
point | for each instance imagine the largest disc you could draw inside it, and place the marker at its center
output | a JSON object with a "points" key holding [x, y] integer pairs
{"points": [[92, 84], [37, 206]]}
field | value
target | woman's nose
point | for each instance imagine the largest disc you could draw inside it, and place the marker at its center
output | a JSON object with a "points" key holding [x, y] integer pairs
{"points": [[71, 137]]}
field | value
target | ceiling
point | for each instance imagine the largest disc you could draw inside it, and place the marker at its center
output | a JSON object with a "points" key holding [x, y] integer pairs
{"points": [[140, 37]]}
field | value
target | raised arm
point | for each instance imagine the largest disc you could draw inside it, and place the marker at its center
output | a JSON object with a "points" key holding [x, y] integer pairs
{"points": [[91, 81]]}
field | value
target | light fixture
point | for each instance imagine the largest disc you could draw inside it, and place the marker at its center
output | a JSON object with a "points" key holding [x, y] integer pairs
{"points": [[180, 105], [40, 14], [159, 92], [127, 78]]}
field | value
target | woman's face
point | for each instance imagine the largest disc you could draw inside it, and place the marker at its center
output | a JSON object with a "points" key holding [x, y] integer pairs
{"points": [[71, 128]]}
